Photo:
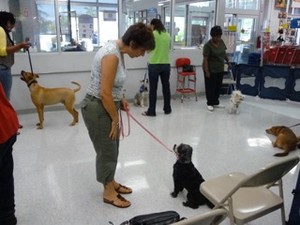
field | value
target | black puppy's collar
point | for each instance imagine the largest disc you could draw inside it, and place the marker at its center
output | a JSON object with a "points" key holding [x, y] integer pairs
{"points": [[31, 82]]}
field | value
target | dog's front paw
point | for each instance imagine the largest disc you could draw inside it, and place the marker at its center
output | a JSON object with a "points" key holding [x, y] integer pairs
{"points": [[39, 126], [174, 194], [189, 204]]}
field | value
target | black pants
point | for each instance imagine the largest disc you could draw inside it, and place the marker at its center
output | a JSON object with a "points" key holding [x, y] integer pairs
{"points": [[213, 87], [157, 71], [7, 194]]}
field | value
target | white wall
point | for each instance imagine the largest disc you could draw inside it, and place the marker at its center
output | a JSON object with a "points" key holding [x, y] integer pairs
{"points": [[59, 69], [3, 5]]}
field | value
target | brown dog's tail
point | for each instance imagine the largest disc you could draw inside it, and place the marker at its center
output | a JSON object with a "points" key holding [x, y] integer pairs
{"points": [[79, 86]]}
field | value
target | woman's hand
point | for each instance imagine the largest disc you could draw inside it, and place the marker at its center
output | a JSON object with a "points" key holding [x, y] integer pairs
{"points": [[205, 67], [206, 74], [25, 45], [124, 105], [114, 132], [229, 65]]}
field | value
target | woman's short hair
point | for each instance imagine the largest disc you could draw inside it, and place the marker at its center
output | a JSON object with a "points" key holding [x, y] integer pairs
{"points": [[139, 35], [216, 31]]}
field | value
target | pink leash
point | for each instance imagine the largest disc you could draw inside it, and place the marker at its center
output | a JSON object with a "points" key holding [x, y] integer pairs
{"points": [[122, 126], [141, 125]]}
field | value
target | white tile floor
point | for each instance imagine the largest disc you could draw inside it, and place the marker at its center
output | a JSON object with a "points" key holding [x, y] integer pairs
{"points": [[55, 168]]}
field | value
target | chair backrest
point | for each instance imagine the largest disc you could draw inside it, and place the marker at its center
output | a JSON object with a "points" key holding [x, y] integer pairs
{"points": [[182, 61], [272, 173], [215, 216], [268, 175]]}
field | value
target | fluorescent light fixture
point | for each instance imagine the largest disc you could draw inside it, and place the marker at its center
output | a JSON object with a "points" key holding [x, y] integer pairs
{"points": [[161, 3]]}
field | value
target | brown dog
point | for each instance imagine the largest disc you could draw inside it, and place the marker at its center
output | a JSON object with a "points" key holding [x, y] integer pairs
{"points": [[49, 96], [285, 139]]}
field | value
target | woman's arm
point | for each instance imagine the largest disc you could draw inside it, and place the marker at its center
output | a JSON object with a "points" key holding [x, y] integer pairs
{"points": [[2, 42], [205, 66], [109, 69], [17, 47], [5, 50]]}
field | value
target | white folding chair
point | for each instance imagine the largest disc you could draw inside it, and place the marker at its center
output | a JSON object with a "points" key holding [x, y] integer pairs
{"points": [[213, 217], [247, 198]]}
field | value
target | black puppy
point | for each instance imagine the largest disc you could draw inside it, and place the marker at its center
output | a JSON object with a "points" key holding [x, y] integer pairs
{"points": [[185, 175]]}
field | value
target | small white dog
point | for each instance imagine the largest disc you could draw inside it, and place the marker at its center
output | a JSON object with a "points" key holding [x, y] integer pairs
{"points": [[141, 98], [234, 102]]}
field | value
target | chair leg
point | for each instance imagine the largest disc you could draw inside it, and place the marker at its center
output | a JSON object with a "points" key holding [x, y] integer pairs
{"points": [[282, 208], [229, 89], [283, 215], [230, 211]]}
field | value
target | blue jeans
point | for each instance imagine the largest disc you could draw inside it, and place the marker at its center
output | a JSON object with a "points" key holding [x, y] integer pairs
{"points": [[7, 192], [157, 71], [6, 79]]}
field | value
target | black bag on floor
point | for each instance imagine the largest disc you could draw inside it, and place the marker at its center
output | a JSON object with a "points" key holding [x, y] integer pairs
{"points": [[294, 217], [161, 218], [188, 68]]}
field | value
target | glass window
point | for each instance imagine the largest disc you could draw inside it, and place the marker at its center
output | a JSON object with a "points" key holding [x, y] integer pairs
{"points": [[242, 4], [65, 25], [142, 14], [35, 20], [44, 33], [85, 26], [77, 27], [193, 22], [84, 0], [230, 4], [138, 11]]}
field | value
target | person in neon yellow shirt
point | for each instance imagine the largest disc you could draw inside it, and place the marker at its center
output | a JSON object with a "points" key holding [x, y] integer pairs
{"points": [[159, 67]]}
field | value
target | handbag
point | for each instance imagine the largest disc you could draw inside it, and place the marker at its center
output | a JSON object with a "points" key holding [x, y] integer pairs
{"points": [[187, 68], [161, 218]]}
